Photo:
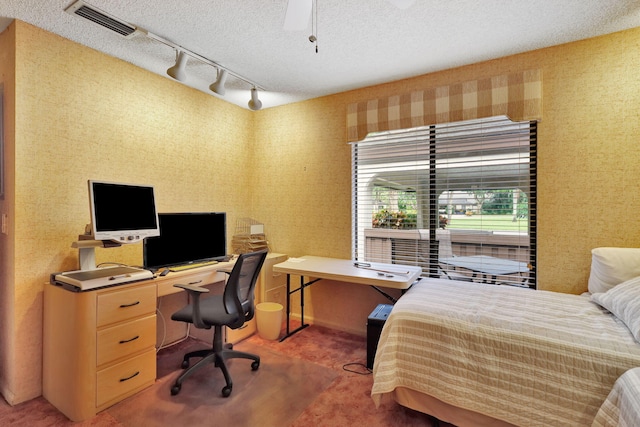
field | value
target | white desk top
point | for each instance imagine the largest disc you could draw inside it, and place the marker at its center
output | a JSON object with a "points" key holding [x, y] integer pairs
{"points": [[200, 275], [395, 276]]}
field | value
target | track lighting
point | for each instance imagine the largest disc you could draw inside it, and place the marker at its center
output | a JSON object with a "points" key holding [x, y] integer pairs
{"points": [[218, 85], [177, 71], [254, 103], [81, 9]]}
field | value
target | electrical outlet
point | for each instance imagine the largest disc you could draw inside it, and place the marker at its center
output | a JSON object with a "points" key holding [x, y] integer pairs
{"points": [[5, 226]]}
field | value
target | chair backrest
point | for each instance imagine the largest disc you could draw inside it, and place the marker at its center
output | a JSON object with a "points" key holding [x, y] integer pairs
{"points": [[241, 285], [444, 243]]}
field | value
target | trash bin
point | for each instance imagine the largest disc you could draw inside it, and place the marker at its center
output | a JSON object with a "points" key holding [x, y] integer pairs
{"points": [[269, 320]]}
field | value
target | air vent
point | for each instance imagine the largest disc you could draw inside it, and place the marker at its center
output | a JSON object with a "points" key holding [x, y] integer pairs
{"points": [[87, 11]]}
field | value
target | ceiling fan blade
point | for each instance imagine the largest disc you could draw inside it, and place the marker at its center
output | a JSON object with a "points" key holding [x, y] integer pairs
{"points": [[298, 15], [400, 4]]}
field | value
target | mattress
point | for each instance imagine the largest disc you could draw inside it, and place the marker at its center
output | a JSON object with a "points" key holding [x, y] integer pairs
{"points": [[530, 358]]}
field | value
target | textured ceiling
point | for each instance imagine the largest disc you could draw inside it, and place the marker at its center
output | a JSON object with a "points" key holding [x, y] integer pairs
{"points": [[360, 43]]}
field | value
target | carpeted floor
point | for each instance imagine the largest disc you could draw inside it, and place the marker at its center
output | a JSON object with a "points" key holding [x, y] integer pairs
{"points": [[314, 378], [273, 396]]}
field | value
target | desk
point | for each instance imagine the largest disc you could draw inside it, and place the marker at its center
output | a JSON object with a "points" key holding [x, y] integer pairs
{"points": [[373, 274], [487, 265], [99, 346], [200, 275]]}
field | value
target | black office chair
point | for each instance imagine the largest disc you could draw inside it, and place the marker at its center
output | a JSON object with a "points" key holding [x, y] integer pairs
{"points": [[232, 309]]}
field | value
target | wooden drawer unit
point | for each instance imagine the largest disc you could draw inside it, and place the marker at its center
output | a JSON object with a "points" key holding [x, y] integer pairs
{"points": [[98, 346], [198, 277], [270, 280], [124, 340], [121, 304], [267, 280], [125, 378], [277, 294]]}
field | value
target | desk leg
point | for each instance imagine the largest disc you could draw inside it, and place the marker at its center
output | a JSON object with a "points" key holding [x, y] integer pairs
{"points": [[288, 302], [289, 292], [302, 302], [389, 297]]}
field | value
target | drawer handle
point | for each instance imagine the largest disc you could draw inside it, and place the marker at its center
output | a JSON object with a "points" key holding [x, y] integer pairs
{"points": [[196, 282], [128, 378], [129, 340], [129, 305]]}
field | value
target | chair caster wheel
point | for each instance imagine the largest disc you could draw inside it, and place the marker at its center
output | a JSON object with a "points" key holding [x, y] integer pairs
{"points": [[175, 389], [255, 366], [185, 364], [226, 391]]}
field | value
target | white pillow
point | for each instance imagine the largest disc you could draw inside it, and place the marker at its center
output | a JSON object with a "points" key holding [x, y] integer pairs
{"points": [[612, 266], [624, 302]]}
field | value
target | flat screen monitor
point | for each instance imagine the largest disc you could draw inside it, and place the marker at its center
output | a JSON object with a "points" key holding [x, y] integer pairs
{"points": [[187, 238], [124, 213]]}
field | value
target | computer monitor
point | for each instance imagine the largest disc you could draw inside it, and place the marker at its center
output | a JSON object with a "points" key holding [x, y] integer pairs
{"points": [[124, 213], [187, 238]]}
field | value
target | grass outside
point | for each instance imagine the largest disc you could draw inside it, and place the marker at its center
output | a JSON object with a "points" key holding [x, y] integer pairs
{"points": [[489, 223]]}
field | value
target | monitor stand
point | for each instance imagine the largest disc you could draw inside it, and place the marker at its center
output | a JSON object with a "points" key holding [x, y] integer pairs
{"points": [[87, 251]]}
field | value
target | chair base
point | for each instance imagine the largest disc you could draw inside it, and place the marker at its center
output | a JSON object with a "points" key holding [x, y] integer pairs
{"points": [[218, 357]]}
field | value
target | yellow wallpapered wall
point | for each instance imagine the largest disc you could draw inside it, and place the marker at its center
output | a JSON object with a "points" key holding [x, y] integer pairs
{"points": [[81, 115], [588, 153], [7, 290]]}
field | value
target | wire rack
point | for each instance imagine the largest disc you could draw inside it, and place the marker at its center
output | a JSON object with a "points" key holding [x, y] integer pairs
{"points": [[249, 236]]}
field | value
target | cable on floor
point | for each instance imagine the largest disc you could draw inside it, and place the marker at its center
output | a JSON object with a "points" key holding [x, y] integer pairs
{"points": [[162, 345], [362, 371], [164, 329]]}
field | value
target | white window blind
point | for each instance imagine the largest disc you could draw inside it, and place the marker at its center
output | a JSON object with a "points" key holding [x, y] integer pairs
{"points": [[438, 195]]}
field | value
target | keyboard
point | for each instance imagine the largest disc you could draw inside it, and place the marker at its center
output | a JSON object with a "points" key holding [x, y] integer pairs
{"points": [[190, 266]]}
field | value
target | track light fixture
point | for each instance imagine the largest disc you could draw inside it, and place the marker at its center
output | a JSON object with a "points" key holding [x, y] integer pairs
{"points": [[177, 71], [84, 10], [218, 85], [254, 103]]}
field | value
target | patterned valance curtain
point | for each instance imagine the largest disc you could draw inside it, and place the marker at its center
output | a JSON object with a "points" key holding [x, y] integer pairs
{"points": [[517, 96]]}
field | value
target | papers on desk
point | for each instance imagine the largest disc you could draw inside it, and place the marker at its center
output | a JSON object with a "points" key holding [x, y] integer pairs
{"points": [[386, 272], [345, 270], [382, 270]]}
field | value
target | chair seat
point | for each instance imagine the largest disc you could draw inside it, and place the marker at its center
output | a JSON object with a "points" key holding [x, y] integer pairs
{"points": [[212, 311], [232, 309]]}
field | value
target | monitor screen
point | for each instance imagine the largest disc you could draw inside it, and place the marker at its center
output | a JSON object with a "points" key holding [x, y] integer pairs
{"points": [[124, 213], [187, 238]]}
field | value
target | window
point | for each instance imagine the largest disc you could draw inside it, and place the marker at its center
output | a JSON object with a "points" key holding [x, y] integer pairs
{"points": [[470, 185]]}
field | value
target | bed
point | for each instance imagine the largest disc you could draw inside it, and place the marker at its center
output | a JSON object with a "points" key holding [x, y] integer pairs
{"points": [[621, 405], [476, 354]]}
